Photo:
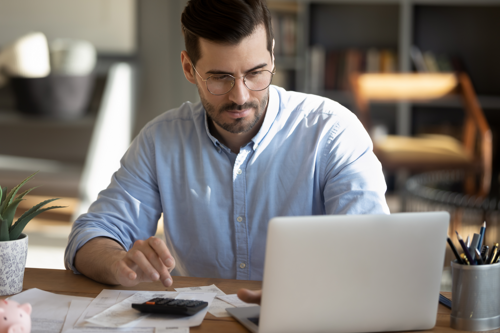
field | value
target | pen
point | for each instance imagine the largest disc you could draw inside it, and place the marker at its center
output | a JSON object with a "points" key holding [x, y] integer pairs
{"points": [[495, 260], [464, 258], [481, 232], [467, 241], [484, 253], [473, 245], [493, 254], [466, 250], [455, 252], [478, 256]]}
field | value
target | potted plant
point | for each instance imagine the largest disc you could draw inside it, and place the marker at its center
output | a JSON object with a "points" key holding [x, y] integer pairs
{"points": [[13, 243]]}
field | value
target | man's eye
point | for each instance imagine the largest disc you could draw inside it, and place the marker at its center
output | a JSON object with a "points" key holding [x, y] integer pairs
{"points": [[221, 77], [256, 73]]}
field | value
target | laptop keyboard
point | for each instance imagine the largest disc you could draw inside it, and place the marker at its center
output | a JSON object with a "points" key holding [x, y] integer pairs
{"points": [[254, 320]]}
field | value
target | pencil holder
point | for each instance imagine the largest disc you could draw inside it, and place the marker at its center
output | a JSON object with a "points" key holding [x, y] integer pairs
{"points": [[475, 297]]}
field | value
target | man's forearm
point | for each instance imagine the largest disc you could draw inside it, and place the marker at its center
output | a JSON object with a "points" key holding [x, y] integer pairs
{"points": [[95, 259]]}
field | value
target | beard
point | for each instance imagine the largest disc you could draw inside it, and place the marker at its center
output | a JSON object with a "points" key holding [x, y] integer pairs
{"points": [[240, 125]]}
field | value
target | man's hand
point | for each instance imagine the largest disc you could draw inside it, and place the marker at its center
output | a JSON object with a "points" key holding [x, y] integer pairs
{"points": [[148, 260], [104, 260], [250, 296]]}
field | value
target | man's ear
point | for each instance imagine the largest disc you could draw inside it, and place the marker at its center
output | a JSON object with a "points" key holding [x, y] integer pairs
{"points": [[187, 67], [272, 54]]}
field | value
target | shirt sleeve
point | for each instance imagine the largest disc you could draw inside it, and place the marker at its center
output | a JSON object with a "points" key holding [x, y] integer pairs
{"points": [[128, 209], [353, 179]]}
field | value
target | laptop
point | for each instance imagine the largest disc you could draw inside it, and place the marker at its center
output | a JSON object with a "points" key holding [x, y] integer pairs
{"points": [[350, 273]]}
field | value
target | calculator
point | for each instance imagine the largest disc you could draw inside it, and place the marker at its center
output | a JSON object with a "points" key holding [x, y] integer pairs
{"points": [[184, 307]]}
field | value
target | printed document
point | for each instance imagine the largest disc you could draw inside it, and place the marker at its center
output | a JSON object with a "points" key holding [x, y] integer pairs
{"points": [[217, 307]]}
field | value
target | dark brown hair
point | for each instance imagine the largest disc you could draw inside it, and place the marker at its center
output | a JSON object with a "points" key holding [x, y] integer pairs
{"points": [[223, 21]]}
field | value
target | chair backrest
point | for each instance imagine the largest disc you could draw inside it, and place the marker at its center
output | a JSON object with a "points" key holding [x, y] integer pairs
{"points": [[111, 136], [477, 140]]}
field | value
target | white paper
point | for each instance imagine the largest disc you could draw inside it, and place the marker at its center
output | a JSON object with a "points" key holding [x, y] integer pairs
{"points": [[172, 330], [217, 307], [121, 315], [234, 300], [76, 308], [106, 299], [49, 309], [75, 311], [206, 289]]}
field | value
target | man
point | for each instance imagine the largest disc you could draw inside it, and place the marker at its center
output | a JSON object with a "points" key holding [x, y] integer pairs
{"points": [[219, 170]]}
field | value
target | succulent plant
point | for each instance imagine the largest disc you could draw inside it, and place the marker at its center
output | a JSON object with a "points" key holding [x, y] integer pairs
{"points": [[8, 206]]}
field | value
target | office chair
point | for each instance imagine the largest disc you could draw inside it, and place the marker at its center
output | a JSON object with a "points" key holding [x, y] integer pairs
{"points": [[429, 152]]}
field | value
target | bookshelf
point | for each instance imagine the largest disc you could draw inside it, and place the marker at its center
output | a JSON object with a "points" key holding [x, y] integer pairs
{"points": [[465, 29], [462, 29]]}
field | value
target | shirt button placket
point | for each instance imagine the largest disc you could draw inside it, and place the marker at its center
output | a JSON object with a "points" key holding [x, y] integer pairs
{"points": [[239, 196]]}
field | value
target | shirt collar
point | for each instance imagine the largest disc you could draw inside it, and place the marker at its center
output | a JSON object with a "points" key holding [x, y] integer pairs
{"points": [[270, 116], [219, 146], [271, 113]]}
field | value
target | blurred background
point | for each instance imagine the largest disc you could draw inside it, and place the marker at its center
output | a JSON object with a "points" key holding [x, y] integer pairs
{"points": [[116, 65]]}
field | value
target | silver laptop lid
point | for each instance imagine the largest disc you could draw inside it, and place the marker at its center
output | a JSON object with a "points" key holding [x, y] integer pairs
{"points": [[363, 273]]}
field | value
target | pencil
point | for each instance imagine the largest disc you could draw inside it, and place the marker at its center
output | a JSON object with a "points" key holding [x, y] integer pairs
{"points": [[478, 257], [464, 247], [455, 252], [481, 233]]}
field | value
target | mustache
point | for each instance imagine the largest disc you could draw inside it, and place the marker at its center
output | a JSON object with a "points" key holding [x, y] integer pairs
{"points": [[234, 106]]}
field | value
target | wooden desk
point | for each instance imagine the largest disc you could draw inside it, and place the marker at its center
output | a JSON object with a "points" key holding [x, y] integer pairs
{"points": [[67, 283]]}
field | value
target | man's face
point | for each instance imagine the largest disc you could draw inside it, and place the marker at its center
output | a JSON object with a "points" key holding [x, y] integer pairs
{"points": [[241, 109]]}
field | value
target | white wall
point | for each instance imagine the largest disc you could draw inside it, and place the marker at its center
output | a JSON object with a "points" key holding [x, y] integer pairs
{"points": [[109, 24]]}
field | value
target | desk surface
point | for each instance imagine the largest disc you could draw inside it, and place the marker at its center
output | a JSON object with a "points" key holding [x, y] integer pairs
{"points": [[65, 282]]}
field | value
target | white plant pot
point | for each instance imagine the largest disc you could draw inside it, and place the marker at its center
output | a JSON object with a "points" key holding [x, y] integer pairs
{"points": [[12, 262]]}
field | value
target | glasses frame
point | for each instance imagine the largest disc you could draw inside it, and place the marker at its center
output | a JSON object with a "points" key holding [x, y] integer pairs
{"points": [[234, 80]]}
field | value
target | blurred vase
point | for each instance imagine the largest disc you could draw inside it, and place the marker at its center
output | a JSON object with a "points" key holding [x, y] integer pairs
{"points": [[54, 96]]}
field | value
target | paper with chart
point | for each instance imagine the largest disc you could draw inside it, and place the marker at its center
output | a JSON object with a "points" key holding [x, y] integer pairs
{"points": [[49, 309], [121, 313], [217, 307]]}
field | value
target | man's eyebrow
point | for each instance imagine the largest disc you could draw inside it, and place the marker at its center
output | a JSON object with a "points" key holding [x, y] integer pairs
{"points": [[215, 71]]}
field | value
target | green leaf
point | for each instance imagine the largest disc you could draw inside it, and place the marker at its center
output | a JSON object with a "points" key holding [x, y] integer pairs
{"points": [[22, 195], [13, 192], [18, 227], [36, 207], [4, 231], [4, 193], [10, 211]]}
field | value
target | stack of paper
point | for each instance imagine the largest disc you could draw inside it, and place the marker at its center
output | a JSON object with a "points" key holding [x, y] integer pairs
{"points": [[111, 311]]}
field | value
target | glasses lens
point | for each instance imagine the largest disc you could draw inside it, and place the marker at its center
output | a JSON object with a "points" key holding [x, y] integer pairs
{"points": [[220, 84], [258, 80]]}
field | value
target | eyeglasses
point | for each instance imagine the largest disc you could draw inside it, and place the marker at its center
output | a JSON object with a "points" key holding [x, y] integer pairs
{"points": [[221, 84]]}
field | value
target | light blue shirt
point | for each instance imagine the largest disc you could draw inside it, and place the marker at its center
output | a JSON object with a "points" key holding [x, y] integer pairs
{"points": [[311, 156]]}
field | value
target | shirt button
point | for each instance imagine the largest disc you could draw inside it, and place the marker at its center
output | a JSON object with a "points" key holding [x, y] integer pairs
{"points": [[242, 265], [239, 219], [239, 172]]}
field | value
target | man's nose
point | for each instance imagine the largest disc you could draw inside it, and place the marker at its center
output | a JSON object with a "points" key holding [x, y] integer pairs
{"points": [[240, 93]]}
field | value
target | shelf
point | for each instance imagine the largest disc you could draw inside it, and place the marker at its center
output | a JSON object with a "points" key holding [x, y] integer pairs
{"points": [[486, 102], [9, 117]]}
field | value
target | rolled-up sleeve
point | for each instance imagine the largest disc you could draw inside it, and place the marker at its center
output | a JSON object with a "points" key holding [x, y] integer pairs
{"points": [[128, 209]]}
